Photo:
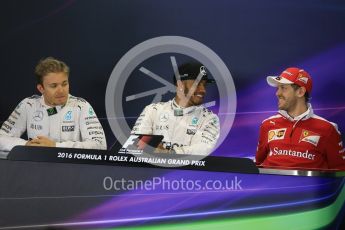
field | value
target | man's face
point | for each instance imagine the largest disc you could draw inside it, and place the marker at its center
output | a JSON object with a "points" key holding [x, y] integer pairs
{"points": [[54, 88], [287, 97], [197, 97]]}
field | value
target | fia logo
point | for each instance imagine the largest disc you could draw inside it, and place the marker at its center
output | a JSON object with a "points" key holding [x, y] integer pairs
{"points": [[68, 116]]}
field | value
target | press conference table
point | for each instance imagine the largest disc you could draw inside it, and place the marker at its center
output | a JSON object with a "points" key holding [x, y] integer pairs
{"points": [[41, 194], [3, 155]]}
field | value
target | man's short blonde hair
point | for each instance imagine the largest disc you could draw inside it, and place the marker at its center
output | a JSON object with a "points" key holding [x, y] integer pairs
{"points": [[49, 65]]}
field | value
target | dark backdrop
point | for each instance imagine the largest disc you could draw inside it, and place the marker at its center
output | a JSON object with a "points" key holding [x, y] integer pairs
{"points": [[253, 38]]}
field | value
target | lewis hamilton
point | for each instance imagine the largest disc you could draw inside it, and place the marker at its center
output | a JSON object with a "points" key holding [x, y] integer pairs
{"points": [[187, 126]]}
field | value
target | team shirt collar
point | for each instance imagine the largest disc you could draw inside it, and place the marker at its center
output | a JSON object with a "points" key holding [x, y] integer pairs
{"points": [[58, 107], [187, 110], [304, 116]]}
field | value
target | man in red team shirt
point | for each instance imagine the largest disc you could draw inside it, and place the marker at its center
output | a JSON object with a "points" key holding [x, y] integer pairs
{"points": [[296, 137]]}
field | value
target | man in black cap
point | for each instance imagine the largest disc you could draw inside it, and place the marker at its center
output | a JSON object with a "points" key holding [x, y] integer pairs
{"points": [[187, 126]]}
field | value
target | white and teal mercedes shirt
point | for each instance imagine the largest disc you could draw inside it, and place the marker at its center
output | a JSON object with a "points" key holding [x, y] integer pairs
{"points": [[74, 125], [193, 130]]}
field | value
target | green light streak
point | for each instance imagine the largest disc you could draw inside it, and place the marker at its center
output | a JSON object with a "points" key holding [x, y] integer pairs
{"points": [[313, 219]]}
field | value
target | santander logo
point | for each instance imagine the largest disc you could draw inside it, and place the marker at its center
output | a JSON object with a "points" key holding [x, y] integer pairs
{"points": [[283, 152]]}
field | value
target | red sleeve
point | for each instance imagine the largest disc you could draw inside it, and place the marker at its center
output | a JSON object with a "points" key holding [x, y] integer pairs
{"points": [[262, 148], [335, 151]]}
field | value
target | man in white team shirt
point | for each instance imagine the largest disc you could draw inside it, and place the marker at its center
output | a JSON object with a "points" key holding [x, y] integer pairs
{"points": [[187, 126], [55, 119]]}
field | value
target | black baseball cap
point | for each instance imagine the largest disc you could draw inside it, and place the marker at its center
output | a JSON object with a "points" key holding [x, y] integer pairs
{"points": [[191, 70]]}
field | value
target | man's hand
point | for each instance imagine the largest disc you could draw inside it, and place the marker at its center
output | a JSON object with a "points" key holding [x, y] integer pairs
{"points": [[161, 149], [41, 141]]}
